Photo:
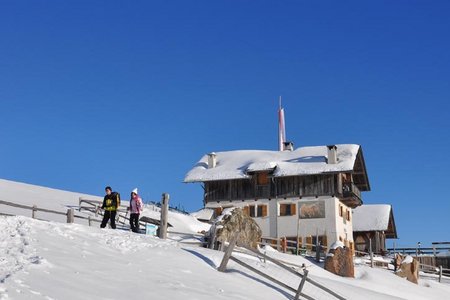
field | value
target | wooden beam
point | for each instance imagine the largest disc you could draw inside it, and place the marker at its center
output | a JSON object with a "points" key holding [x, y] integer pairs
{"points": [[302, 283], [268, 277], [228, 252], [296, 273]]}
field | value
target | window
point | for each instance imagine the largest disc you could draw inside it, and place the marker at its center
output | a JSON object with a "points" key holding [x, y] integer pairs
{"points": [[252, 210], [262, 178], [218, 211], [341, 211], [261, 211], [287, 209], [348, 215]]}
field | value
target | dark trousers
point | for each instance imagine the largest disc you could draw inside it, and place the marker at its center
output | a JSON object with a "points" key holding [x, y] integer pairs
{"points": [[109, 215], [134, 222]]}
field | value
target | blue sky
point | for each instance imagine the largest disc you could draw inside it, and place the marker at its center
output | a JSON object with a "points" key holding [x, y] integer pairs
{"points": [[133, 93]]}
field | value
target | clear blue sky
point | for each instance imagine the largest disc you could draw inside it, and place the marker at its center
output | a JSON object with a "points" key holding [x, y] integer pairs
{"points": [[133, 93]]}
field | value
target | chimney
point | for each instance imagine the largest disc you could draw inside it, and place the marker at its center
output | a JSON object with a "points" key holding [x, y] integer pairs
{"points": [[212, 160], [332, 154], [288, 146]]}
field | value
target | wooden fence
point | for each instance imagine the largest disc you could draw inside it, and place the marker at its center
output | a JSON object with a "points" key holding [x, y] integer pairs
{"points": [[93, 206], [295, 247], [34, 209], [438, 271], [303, 277]]}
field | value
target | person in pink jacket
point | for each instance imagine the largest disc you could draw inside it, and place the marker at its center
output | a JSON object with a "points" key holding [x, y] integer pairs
{"points": [[135, 209]]}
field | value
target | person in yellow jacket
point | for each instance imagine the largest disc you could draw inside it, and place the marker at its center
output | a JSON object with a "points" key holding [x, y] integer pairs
{"points": [[111, 203]]}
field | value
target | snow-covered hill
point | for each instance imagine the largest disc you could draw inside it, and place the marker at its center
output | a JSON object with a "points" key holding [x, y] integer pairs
{"points": [[47, 260], [59, 200]]}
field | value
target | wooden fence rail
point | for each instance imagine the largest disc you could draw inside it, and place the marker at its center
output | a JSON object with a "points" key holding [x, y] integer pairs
{"points": [[69, 214]]}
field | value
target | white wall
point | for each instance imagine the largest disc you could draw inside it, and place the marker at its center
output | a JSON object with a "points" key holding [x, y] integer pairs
{"points": [[320, 226], [278, 226]]}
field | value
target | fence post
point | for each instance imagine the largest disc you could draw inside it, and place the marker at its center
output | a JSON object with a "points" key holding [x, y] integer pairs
{"points": [[318, 249], [164, 216], [228, 252], [70, 215], [371, 252], [302, 283], [440, 273], [89, 220], [33, 212]]}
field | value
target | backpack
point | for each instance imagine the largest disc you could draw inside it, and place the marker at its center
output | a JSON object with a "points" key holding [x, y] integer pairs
{"points": [[117, 195]]}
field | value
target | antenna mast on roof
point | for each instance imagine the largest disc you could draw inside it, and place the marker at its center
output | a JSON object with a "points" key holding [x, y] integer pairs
{"points": [[281, 128]]}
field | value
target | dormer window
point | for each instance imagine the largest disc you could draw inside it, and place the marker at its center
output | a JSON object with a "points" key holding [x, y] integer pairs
{"points": [[262, 178]]}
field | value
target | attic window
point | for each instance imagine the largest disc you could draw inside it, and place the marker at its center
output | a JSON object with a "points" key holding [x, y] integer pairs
{"points": [[262, 178]]}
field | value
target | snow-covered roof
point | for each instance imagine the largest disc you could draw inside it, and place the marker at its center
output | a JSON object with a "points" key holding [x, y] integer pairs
{"points": [[302, 161], [372, 217], [205, 214]]}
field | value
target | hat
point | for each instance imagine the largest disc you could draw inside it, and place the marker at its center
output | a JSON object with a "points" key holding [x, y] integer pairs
{"points": [[135, 191]]}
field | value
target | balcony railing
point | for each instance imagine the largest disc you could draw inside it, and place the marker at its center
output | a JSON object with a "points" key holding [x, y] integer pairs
{"points": [[349, 189]]}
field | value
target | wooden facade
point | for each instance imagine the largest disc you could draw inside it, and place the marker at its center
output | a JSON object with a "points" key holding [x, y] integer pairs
{"points": [[283, 187]]}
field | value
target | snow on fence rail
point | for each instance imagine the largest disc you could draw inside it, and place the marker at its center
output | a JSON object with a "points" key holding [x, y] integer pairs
{"points": [[303, 277]]}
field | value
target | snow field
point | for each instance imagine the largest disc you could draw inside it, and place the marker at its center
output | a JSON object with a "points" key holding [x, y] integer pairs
{"points": [[47, 260]]}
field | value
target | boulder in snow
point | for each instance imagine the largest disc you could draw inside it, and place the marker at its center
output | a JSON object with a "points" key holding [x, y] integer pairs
{"points": [[339, 260], [236, 220], [409, 268]]}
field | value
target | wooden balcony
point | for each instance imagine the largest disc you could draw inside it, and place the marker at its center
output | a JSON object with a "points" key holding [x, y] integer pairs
{"points": [[351, 195]]}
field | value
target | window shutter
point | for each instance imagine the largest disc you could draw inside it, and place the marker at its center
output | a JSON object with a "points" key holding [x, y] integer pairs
{"points": [[246, 210], [218, 211], [262, 178], [293, 213], [282, 209], [324, 241], [264, 210]]}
